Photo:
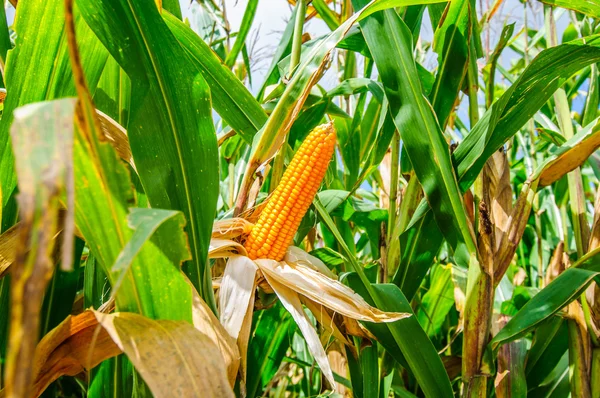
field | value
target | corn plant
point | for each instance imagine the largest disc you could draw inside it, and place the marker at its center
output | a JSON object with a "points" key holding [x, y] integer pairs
{"points": [[169, 226]]}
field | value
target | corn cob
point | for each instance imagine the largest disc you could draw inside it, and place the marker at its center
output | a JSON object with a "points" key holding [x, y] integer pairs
{"points": [[279, 220]]}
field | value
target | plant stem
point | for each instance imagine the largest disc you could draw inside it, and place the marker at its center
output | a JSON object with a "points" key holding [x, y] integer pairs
{"points": [[595, 373], [473, 85], [393, 203], [394, 177], [591, 104], [297, 39], [532, 155], [577, 356], [277, 170], [479, 297]]}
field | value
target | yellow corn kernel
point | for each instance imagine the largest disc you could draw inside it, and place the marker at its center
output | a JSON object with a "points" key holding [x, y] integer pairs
{"points": [[273, 232]]}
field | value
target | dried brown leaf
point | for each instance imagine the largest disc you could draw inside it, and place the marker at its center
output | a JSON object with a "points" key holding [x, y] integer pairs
{"points": [[570, 157], [515, 227], [231, 228], [76, 345], [8, 249], [206, 322], [222, 248], [497, 191], [116, 136], [556, 265], [42, 136], [173, 357]]}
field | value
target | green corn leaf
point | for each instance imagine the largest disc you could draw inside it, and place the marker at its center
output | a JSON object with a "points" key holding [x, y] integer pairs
{"points": [[243, 32], [231, 99], [269, 343], [587, 7], [390, 43], [416, 348], [567, 287], [451, 45], [173, 7], [546, 73], [421, 358], [437, 301], [103, 195], [170, 125]]}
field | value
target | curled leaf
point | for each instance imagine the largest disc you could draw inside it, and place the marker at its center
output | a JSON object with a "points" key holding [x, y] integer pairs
{"points": [[76, 345]]}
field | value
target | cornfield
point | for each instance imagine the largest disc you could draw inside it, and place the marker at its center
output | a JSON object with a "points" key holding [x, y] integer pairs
{"points": [[407, 205]]}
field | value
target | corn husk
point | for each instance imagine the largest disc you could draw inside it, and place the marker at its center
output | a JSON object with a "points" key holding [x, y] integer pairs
{"points": [[323, 290], [326, 320], [295, 255], [223, 248], [231, 228], [237, 289], [290, 300]]}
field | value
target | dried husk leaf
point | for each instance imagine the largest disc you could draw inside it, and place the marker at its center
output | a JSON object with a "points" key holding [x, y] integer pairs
{"points": [[339, 364], [385, 171], [497, 192], [295, 255], [237, 289], [244, 338], [354, 328], [557, 264], [231, 228], [326, 320], [291, 302], [252, 214], [323, 290], [173, 357], [515, 227], [223, 248]]}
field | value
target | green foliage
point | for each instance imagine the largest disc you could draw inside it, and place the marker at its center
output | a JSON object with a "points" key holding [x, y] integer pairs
{"points": [[463, 192]]}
